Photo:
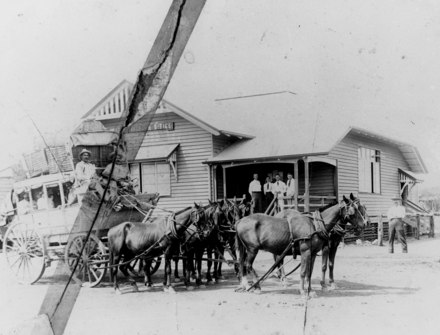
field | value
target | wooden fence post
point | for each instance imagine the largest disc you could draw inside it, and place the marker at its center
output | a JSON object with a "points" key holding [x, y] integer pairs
{"points": [[431, 226], [380, 231], [418, 227]]}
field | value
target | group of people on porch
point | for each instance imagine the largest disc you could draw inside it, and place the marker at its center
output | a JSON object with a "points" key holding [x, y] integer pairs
{"points": [[263, 195]]}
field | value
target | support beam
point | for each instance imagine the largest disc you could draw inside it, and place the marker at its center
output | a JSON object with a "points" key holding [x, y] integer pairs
{"points": [[224, 182], [296, 176], [214, 181], [307, 183]]}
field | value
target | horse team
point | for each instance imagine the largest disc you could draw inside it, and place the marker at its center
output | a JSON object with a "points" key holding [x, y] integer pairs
{"points": [[226, 225]]}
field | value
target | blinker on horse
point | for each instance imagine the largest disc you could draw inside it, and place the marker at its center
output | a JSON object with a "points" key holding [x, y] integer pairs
{"points": [[153, 238], [262, 232]]}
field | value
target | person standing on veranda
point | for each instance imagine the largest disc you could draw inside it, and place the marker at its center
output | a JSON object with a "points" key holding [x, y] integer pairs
{"points": [[396, 213], [256, 194], [267, 190], [84, 171], [290, 189], [278, 189]]}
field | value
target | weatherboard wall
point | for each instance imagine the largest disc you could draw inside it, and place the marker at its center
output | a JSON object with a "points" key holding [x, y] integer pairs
{"points": [[195, 146], [346, 154]]}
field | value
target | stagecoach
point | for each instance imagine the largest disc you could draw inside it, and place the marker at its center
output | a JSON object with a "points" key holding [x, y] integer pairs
{"points": [[44, 230]]}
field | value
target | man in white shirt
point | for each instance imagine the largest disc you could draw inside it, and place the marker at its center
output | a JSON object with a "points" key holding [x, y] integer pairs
{"points": [[256, 195], [395, 215], [84, 172], [278, 189], [290, 188]]}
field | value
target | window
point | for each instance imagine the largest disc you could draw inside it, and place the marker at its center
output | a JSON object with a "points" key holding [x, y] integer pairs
{"points": [[369, 170], [152, 177]]}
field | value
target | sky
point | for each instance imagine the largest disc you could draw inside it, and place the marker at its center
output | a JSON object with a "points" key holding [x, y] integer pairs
{"points": [[374, 63]]}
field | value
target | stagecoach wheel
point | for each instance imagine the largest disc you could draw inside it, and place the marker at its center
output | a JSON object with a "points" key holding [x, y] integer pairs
{"points": [[92, 265], [25, 254]]}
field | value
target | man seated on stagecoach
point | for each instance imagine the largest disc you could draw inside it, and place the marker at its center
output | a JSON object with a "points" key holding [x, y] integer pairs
{"points": [[84, 171]]}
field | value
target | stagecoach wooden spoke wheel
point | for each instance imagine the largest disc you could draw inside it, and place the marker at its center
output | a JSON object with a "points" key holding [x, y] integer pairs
{"points": [[91, 267], [25, 254]]}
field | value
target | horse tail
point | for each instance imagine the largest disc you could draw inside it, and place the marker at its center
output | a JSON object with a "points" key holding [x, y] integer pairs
{"points": [[241, 250]]}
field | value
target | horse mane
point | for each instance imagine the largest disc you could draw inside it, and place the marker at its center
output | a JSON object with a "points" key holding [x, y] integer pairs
{"points": [[322, 209]]}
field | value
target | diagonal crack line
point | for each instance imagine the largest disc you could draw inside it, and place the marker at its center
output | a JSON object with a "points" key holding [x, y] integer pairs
{"points": [[174, 37], [141, 90]]}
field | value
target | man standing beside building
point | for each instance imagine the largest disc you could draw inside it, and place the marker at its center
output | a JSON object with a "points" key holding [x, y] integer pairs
{"points": [[290, 188], [84, 172], [395, 215], [256, 194], [267, 190], [278, 189]]}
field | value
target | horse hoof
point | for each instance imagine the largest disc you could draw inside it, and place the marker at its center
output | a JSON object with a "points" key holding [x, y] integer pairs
{"points": [[332, 287], [149, 287], [257, 291], [169, 289], [118, 292]]}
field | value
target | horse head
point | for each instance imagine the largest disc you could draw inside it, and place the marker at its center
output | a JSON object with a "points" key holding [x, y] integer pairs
{"points": [[355, 213]]}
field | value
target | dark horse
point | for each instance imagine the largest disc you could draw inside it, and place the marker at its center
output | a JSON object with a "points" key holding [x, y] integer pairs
{"points": [[198, 237], [335, 237], [161, 235], [262, 232]]}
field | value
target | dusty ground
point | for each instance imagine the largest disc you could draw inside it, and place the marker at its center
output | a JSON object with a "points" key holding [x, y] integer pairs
{"points": [[377, 293]]}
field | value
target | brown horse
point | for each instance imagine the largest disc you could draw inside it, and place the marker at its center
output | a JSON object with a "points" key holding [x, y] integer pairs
{"points": [[262, 232], [159, 236]]}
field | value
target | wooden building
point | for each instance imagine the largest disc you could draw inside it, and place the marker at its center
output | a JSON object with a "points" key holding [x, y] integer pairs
{"points": [[191, 156]]}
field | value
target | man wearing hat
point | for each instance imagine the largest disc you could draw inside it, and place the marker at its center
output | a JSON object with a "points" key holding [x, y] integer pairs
{"points": [[396, 213], [84, 172]]}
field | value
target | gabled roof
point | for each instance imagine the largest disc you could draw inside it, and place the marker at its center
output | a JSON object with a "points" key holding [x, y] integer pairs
{"points": [[95, 109], [286, 125]]}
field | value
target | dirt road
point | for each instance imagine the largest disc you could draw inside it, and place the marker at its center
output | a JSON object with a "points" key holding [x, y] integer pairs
{"points": [[378, 293]]}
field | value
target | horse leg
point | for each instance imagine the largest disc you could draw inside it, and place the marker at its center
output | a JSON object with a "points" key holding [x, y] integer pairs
{"points": [[325, 258], [187, 262], [147, 274], [252, 254], [176, 268], [199, 256], [234, 254], [309, 276], [331, 265], [281, 271], [124, 270], [218, 264], [114, 260], [167, 275], [209, 265], [306, 257]]}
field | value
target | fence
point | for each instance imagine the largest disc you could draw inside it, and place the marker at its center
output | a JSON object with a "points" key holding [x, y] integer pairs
{"points": [[416, 225]]}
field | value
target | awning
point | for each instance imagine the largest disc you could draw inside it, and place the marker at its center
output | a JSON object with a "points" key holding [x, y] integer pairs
{"points": [[156, 152], [92, 132], [409, 175]]}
